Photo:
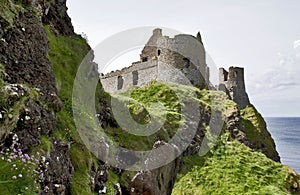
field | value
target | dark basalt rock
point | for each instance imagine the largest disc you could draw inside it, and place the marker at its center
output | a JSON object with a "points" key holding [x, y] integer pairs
{"points": [[23, 51], [59, 169], [99, 178], [34, 122], [55, 15]]}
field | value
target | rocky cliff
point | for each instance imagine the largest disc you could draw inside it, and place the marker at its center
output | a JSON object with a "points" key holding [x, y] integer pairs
{"points": [[42, 152], [30, 97]]}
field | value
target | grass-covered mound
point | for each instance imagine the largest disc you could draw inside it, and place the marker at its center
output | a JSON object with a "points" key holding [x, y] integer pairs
{"points": [[256, 131], [165, 102], [170, 113], [230, 167], [138, 101], [233, 168]]}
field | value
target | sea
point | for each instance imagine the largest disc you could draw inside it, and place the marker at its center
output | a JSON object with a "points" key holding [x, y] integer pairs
{"points": [[286, 134]]}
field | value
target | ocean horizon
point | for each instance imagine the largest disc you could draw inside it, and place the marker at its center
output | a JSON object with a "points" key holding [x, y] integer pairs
{"points": [[286, 134]]}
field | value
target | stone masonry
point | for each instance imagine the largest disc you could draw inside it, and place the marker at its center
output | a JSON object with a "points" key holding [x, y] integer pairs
{"points": [[180, 60], [232, 83]]}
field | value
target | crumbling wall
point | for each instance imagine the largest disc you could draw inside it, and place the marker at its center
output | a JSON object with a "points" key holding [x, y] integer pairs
{"points": [[146, 71], [232, 83], [176, 52], [180, 59]]}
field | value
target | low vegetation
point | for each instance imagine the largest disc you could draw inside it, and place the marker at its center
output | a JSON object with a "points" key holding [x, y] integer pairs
{"points": [[233, 168], [66, 54], [256, 131]]}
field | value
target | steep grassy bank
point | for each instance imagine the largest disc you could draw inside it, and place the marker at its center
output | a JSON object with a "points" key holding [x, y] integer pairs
{"points": [[232, 168], [256, 130], [66, 54]]}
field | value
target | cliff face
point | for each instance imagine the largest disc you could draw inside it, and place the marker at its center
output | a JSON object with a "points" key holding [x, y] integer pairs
{"points": [[39, 57], [29, 97]]}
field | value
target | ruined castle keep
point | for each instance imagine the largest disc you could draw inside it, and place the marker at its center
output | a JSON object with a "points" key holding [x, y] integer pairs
{"points": [[232, 83], [181, 60]]}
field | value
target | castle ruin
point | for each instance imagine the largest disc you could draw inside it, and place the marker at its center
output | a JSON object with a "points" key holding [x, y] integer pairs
{"points": [[181, 60], [232, 83]]}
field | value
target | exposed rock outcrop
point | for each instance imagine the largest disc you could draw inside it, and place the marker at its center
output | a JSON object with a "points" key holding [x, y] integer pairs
{"points": [[160, 180], [55, 15], [58, 174], [23, 52], [24, 56]]}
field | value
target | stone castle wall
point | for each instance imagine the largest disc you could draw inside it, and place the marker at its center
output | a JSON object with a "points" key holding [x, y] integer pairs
{"points": [[137, 74], [232, 83], [180, 59]]}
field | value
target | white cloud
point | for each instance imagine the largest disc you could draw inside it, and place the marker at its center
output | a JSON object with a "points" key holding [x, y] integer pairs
{"points": [[296, 44], [284, 75], [297, 48]]}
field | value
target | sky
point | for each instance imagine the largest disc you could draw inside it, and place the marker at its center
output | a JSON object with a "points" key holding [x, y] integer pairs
{"points": [[261, 36]]}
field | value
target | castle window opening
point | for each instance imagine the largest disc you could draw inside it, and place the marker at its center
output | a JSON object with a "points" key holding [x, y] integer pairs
{"points": [[225, 78], [144, 59], [235, 74], [120, 82], [135, 77], [158, 52], [186, 62]]}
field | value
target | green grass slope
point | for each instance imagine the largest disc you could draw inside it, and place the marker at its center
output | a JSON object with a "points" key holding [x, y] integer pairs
{"points": [[229, 168], [232, 168], [256, 131], [66, 54]]}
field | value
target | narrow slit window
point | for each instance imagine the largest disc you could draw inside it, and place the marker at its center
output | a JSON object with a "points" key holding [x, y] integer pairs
{"points": [[135, 77], [120, 82]]}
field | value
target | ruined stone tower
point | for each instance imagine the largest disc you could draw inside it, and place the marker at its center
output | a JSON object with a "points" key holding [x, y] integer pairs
{"points": [[180, 60], [232, 83]]}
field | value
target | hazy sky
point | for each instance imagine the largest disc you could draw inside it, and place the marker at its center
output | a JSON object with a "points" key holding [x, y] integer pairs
{"points": [[261, 36]]}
